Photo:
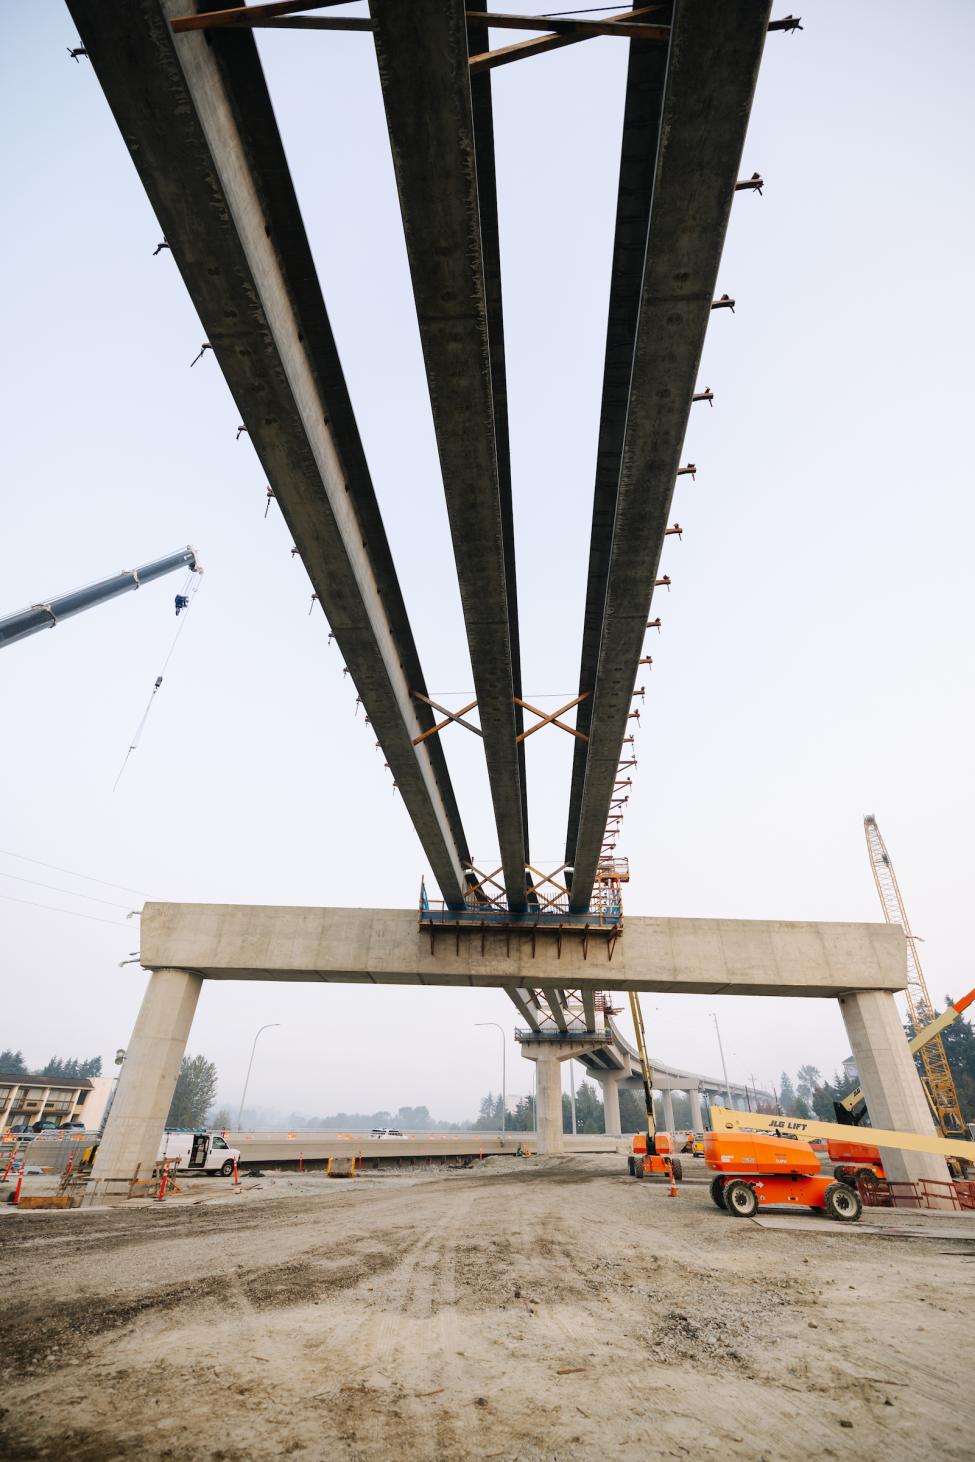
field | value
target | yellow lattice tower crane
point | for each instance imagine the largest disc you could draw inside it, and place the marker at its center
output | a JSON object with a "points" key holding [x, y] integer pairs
{"points": [[938, 1083]]}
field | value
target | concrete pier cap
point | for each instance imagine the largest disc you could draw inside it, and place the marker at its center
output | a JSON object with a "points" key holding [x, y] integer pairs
{"points": [[377, 946]]}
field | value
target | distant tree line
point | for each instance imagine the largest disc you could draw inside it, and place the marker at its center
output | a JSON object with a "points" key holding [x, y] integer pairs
{"points": [[12, 1064]]}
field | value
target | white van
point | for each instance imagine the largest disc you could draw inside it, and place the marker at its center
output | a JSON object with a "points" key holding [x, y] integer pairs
{"points": [[198, 1152]]}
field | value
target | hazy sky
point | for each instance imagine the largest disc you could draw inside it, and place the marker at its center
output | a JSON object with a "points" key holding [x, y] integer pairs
{"points": [[815, 661]]}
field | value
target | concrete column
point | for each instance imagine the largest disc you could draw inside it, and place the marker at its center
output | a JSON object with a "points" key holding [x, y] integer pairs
{"points": [[697, 1116], [548, 1115], [612, 1122], [548, 1054], [668, 1101], [145, 1089], [891, 1085]]}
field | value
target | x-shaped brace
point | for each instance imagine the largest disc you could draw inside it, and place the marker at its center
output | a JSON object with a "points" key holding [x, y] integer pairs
{"points": [[552, 718], [457, 716]]}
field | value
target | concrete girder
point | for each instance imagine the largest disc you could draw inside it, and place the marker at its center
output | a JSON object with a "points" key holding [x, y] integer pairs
{"points": [[526, 1005], [646, 72], [555, 999], [589, 1007], [712, 68], [422, 52], [196, 116]]}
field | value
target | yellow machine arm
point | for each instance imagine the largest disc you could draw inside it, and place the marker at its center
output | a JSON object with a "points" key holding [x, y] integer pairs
{"points": [[641, 1045], [725, 1120], [927, 1033]]}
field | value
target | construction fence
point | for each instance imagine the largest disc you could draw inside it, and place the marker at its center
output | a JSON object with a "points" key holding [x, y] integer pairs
{"points": [[958, 1195]]}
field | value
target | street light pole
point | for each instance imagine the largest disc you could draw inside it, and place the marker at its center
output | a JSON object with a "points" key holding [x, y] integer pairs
{"points": [[504, 1093], [724, 1068], [250, 1063]]}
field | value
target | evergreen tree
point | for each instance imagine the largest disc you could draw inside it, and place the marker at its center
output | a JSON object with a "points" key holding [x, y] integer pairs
{"points": [[633, 1111], [71, 1066], [12, 1063], [489, 1116], [196, 1087], [589, 1109], [787, 1095], [807, 1079], [522, 1119], [823, 1098]]}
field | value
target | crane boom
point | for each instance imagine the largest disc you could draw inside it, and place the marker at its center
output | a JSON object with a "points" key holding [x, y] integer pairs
{"points": [[49, 612], [938, 1082]]}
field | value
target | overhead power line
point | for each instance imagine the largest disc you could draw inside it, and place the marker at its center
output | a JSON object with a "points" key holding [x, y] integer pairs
{"points": [[53, 909], [55, 888], [72, 873]]}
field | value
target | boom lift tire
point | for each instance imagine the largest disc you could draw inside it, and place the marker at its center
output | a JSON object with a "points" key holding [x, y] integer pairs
{"points": [[717, 1192], [842, 1203], [631, 1165], [677, 1168], [741, 1200]]}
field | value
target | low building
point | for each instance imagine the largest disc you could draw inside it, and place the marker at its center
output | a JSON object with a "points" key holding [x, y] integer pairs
{"points": [[27, 1099]]}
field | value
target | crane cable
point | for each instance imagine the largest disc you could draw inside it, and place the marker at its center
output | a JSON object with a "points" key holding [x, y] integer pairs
{"points": [[184, 601]]}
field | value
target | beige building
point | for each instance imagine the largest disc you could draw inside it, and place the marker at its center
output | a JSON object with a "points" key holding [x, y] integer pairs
{"points": [[25, 1100]]}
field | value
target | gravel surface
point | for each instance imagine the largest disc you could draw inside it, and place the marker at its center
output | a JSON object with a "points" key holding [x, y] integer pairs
{"points": [[519, 1309]]}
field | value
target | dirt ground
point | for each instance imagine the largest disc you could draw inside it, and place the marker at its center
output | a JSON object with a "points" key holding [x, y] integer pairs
{"points": [[532, 1309]]}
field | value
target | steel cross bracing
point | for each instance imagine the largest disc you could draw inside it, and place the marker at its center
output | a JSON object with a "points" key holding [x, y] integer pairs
{"points": [[196, 116], [664, 282]]}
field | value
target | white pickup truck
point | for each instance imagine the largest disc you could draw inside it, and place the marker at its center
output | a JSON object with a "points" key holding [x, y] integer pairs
{"points": [[198, 1152]]}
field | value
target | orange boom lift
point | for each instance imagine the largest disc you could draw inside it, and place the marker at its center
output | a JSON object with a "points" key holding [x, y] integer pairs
{"points": [[652, 1155]]}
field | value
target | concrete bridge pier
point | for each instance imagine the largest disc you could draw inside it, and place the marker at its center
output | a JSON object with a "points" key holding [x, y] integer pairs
{"points": [[548, 1056], [611, 1083], [130, 1142], [895, 1097], [697, 1116], [667, 1097]]}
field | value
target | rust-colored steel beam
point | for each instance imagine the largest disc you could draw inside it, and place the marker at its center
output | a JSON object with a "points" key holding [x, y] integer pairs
{"points": [[570, 36], [247, 16]]}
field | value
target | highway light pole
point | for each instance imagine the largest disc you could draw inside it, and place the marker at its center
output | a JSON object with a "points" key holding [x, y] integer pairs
{"points": [[250, 1063], [724, 1068], [504, 1094]]}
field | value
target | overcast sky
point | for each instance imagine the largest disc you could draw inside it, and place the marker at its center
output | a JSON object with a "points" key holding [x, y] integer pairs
{"points": [[815, 661]]}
